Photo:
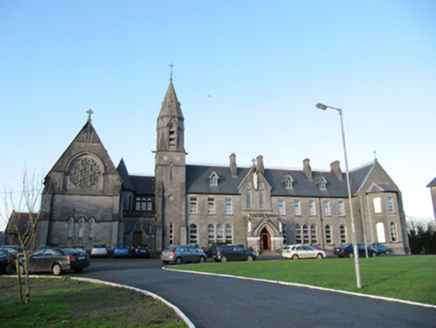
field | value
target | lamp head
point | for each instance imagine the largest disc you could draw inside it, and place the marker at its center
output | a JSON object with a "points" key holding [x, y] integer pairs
{"points": [[321, 106]]}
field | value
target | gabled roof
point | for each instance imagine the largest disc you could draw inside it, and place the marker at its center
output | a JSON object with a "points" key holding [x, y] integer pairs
{"points": [[122, 171], [380, 187], [432, 183]]}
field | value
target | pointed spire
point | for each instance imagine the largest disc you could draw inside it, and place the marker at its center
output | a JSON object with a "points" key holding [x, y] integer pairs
{"points": [[171, 105]]}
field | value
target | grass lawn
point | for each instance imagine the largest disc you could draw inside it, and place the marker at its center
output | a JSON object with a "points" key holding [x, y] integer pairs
{"points": [[68, 303], [411, 278]]}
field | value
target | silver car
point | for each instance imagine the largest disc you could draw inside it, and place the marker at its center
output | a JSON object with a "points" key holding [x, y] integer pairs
{"points": [[182, 254]]}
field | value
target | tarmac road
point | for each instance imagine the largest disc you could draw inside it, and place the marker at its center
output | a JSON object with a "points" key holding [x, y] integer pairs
{"points": [[210, 301]]}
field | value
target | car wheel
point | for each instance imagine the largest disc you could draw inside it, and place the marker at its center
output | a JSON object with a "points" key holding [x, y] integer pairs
{"points": [[351, 255], [249, 258], [179, 260], [56, 269], [374, 254], [387, 252], [295, 257], [319, 256], [223, 259], [201, 259], [77, 270]]}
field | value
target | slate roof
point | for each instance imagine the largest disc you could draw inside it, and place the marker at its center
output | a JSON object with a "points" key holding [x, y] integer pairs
{"points": [[142, 184], [197, 181]]}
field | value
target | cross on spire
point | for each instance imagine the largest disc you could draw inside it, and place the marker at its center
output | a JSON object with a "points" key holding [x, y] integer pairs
{"points": [[171, 67], [90, 112]]}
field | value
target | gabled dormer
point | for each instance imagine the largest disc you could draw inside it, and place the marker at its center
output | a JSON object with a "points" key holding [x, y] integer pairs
{"points": [[321, 182], [213, 179], [288, 182]]}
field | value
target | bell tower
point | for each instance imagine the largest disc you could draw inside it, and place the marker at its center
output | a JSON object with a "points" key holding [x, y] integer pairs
{"points": [[170, 173]]}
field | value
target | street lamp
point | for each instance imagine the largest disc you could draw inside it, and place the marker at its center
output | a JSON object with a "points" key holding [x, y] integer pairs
{"points": [[353, 226]]}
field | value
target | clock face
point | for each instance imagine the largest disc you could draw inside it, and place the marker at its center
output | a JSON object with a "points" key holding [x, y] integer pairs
{"points": [[84, 172]]}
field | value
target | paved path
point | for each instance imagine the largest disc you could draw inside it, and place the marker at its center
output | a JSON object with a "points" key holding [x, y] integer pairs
{"points": [[210, 301]]}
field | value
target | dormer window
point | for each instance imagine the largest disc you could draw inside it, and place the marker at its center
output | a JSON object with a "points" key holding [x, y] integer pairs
{"points": [[322, 183], [288, 181], [213, 179]]}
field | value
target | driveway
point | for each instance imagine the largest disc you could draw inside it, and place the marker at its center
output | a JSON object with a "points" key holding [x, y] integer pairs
{"points": [[210, 301]]}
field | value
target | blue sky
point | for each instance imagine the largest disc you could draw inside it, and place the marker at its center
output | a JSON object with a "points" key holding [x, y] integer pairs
{"points": [[247, 73]]}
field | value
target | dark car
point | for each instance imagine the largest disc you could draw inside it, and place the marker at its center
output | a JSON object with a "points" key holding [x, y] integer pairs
{"points": [[141, 251], [380, 248], [7, 262], [56, 260], [14, 250], [347, 250], [211, 251], [233, 253]]}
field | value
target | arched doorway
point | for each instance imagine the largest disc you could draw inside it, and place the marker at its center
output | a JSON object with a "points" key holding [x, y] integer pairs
{"points": [[265, 239], [137, 238]]}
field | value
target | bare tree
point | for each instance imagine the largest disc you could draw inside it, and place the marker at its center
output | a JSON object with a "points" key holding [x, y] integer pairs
{"points": [[22, 225]]}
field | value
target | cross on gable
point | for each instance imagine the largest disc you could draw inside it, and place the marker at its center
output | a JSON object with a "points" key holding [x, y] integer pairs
{"points": [[90, 112]]}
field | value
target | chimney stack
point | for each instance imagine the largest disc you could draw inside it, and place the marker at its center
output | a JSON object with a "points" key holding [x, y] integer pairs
{"points": [[336, 169], [260, 166], [233, 168], [307, 169]]}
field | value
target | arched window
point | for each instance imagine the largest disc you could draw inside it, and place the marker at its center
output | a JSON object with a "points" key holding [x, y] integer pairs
{"points": [[284, 234], [328, 234], [229, 234], [81, 223], [248, 197], [171, 234], [91, 228], [219, 233], [305, 234], [172, 133], [394, 234], [381, 237], [193, 234], [149, 202], [343, 232], [313, 236], [141, 204], [297, 234], [210, 234], [70, 228]]}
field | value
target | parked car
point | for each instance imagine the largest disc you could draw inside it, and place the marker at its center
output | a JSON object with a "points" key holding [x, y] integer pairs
{"points": [[121, 250], [56, 260], [347, 250], [99, 250], [380, 248], [234, 253], [302, 252], [7, 262], [182, 254], [14, 250], [141, 251], [211, 251], [80, 248]]}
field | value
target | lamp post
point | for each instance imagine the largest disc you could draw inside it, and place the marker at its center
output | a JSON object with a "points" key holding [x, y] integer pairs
{"points": [[353, 226]]}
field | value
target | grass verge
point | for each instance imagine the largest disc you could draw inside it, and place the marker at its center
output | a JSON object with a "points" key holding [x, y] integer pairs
{"points": [[65, 302], [406, 278]]}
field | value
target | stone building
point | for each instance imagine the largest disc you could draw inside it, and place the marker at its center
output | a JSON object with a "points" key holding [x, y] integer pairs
{"points": [[87, 200], [432, 186]]}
